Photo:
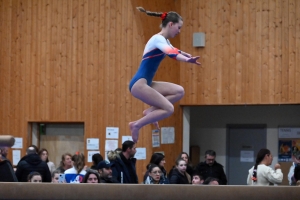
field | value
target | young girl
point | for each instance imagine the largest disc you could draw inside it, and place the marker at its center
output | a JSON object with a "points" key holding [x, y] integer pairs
{"points": [[179, 175], [43, 153], [77, 172], [261, 173], [159, 95], [34, 177]]}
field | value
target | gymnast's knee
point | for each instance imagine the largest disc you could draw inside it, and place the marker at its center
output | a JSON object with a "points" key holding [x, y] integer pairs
{"points": [[180, 91], [170, 109]]}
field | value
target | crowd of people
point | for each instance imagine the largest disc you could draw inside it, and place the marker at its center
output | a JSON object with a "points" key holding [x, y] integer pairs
{"points": [[120, 168]]}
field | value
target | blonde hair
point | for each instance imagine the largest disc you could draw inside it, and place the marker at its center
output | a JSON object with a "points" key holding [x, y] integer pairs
{"points": [[79, 161]]}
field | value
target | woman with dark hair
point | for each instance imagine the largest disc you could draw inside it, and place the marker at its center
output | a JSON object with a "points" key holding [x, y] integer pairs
{"points": [[186, 158], [96, 158], [77, 172], [34, 177], [65, 163], [159, 160], [44, 155], [261, 173], [211, 181], [179, 174], [159, 95], [91, 176], [155, 175]]}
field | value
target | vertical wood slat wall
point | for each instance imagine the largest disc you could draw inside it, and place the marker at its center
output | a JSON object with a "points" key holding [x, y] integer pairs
{"points": [[72, 60], [251, 54]]}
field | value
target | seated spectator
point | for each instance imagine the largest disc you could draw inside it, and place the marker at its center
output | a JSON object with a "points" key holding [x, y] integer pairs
{"points": [[43, 153], [55, 176], [261, 173], [96, 158], [32, 163], [211, 181], [155, 175], [77, 172], [34, 177], [159, 160], [189, 168], [65, 163], [179, 174], [7, 173], [211, 168], [3, 153], [105, 171], [197, 179], [296, 176], [91, 176], [35, 147]]}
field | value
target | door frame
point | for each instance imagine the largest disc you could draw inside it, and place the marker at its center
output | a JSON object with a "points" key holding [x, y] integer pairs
{"points": [[244, 126]]}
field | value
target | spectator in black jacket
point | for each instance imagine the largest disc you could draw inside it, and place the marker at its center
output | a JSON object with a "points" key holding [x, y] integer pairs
{"points": [[32, 163], [186, 158], [179, 174], [210, 168], [104, 169], [123, 164], [91, 176]]}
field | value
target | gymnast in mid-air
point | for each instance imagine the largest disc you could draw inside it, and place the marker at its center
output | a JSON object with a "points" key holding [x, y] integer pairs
{"points": [[160, 96]]}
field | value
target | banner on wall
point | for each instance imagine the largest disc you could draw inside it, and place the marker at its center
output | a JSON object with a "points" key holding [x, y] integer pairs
{"points": [[288, 143], [285, 150]]}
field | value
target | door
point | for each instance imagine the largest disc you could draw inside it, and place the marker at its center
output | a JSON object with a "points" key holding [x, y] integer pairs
{"points": [[244, 142]]}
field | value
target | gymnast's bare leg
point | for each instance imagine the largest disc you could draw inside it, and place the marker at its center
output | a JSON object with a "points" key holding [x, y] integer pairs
{"points": [[160, 97]]}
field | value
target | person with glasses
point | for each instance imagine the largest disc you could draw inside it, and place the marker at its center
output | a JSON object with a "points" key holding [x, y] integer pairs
{"points": [[210, 168], [159, 160], [155, 175]]}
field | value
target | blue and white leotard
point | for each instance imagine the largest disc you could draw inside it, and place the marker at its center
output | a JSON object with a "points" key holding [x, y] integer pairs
{"points": [[155, 51]]}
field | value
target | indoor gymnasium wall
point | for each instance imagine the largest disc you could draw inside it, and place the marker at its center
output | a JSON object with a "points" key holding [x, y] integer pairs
{"points": [[251, 55], [72, 60]]}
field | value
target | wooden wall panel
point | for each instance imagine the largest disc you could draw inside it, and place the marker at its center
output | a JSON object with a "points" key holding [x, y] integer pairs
{"points": [[250, 54], [72, 60]]}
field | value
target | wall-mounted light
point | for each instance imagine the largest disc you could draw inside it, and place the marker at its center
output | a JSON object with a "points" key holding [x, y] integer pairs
{"points": [[199, 39]]}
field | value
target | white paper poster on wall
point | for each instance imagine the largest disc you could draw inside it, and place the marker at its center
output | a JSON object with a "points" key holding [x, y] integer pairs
{"points": [[167, 135], [16, 154], [140, 154], [92, 143], [287, 132], [112, 132], [111, 145], [18, 143], [90, 155], [126, 138], [247, 156]]}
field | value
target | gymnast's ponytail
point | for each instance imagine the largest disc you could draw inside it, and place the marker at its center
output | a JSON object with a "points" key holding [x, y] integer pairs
{"points": [[260, 156], [165, 17]]}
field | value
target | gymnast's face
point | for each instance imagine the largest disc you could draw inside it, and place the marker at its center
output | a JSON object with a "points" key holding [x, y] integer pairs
{"points": [[174, 28]]}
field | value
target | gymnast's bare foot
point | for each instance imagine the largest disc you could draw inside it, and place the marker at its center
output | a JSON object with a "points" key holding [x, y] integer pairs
{"points": [[134, 131], [149, 110]]}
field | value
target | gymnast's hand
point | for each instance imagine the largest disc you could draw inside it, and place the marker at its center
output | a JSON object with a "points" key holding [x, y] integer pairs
{"points": [[186, 54], [194, 60]]}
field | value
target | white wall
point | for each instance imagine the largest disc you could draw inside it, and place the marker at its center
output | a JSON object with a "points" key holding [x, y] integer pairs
{"points": [[208, 125]]}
